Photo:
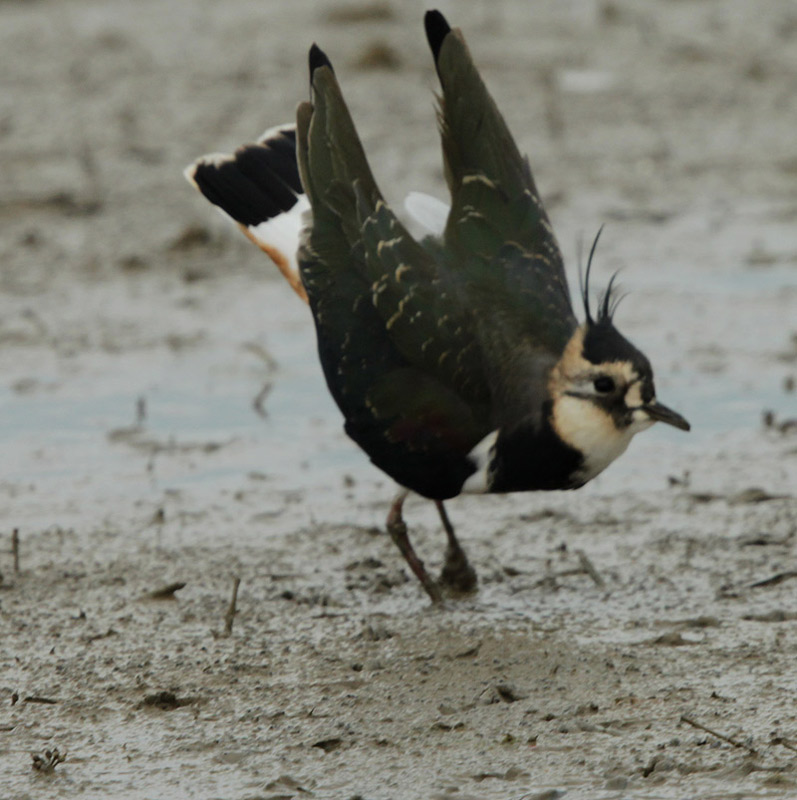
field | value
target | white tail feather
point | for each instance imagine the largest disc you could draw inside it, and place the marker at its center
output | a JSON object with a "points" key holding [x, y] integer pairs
{"points": [[282, 232]]}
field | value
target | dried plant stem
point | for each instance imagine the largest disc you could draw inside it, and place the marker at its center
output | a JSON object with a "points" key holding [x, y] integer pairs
{"points": [[728, 739], [15, 548], [230, 615]]}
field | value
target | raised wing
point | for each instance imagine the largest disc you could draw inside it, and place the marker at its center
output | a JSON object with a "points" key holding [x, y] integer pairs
{"points": [[498, 236], [392, 357]]}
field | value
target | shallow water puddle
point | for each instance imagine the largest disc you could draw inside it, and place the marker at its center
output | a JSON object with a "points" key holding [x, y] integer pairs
{"points": [[50, 436], [166, 418]]}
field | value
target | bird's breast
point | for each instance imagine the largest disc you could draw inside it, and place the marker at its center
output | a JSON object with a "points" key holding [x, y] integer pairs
{"points": [[524, 458]]}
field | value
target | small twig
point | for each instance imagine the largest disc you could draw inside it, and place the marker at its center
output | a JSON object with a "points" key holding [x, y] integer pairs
{"points": [[775, 579], [259, 403], [230, 615], [589, 568], [263, 354], [728, 739], [15, 548], [141, 410], [48, 701]]}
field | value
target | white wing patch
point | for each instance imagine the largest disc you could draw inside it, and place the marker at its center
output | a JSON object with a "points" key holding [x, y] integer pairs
{"points": [[427, 211], [482, 457]]}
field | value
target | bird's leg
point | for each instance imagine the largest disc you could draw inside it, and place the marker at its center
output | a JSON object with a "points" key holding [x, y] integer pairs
{"points": [[457, 571], [397, 529]]}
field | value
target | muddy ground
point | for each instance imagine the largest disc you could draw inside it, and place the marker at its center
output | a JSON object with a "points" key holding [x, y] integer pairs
{"points": [[164, 422]]}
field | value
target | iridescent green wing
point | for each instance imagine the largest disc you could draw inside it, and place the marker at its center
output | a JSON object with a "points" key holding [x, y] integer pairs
{"points": [[366, 280], [498, 238]]}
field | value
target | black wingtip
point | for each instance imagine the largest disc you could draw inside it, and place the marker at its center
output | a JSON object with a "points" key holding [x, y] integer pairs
{"points": [[318, 58], [437, 28]]}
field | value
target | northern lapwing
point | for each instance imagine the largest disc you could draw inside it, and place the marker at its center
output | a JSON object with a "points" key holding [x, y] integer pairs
{"points": [[457, 361]]}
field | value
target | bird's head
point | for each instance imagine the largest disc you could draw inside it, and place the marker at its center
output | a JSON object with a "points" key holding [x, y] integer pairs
{"points": [[602, 389]]}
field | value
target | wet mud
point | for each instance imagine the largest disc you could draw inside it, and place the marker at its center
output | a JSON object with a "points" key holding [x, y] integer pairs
{"points": [[165, 429]]}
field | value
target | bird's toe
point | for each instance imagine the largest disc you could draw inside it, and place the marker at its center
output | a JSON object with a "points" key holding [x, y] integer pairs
{"points": [[457, 573]]}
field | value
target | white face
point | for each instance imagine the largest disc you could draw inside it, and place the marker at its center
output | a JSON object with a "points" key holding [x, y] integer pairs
{"points": [[597, 408], [591, 430]]}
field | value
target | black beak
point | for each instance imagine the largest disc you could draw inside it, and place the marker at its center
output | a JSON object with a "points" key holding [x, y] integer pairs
{"points": [[659, 413]]}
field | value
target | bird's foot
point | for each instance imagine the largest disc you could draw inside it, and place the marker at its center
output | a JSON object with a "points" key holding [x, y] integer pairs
{"points": [[457, 573]]}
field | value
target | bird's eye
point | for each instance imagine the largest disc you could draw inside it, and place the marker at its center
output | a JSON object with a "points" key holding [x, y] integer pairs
{"points": [[604, 384]]}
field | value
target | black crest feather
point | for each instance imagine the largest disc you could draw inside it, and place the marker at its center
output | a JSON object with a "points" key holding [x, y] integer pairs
{"points": [[608, 301], [583, 281]]}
